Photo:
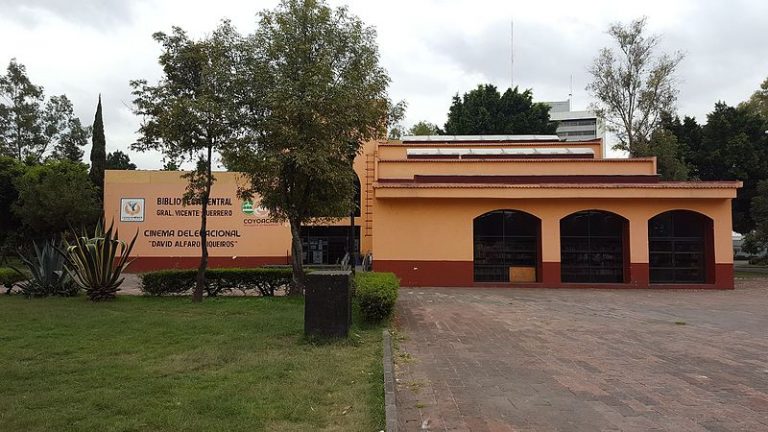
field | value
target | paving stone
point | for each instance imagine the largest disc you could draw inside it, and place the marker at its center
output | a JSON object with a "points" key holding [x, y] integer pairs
{"points": [[590, 359]]}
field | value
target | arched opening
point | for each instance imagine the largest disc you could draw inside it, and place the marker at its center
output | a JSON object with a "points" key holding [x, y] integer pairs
{"points": [[593, 247], [506, 246], [680, 247]]}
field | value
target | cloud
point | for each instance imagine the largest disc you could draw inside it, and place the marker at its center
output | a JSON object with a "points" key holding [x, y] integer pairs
{"points": [[432, 49], [101, 14]]}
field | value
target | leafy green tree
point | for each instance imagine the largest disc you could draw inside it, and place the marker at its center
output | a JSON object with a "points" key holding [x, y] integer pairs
{"points": [[485, 111], [734, 146], [758, 102], [98, 149], [21, 128], [756, 241], [54, 196], [194, 111], [633, 85], [10, 169], [317, 92], [670, 162], [394, 120], [64, 130], [688, 134], [118, 160], [171, 165], [424, 128], [32, 129]]}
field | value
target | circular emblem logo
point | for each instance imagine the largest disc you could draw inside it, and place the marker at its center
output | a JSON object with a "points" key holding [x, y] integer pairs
{"points": [[247, 207]]}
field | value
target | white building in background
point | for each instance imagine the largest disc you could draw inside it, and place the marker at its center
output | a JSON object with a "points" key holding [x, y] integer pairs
{"points": [[575, 125]]}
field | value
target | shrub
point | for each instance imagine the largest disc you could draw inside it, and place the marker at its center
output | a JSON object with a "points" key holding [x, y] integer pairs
{"points": [[376, 294], [265, 281], [10, 277], [94, 264], [54, 196], [48, 276]]}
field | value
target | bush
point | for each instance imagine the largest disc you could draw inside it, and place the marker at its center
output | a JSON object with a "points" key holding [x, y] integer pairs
{"points": [[54, 196], [376, 294], [265, 281], [9, 277]]}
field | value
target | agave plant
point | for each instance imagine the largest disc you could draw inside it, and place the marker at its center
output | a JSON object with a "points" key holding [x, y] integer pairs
{"points": [[47, 272], [94, 264]]}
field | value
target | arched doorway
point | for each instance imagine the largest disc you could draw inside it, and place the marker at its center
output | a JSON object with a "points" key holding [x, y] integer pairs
{"points": [[680, 247], [592, 247], [506, 246]]}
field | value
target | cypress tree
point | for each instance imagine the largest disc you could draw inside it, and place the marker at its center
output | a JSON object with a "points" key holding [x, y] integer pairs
{"points": [[99, 150]]}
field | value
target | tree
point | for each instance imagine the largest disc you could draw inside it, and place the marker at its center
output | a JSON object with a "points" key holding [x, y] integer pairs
{"points": [[485, 111], [634, 85], [10, 170], [688, 135], [734, 146], [98, 149], [64, 130], [29, 130], [758, 102], [170, 165], [424, 128], [55, 196], [317, 92], [756, 241], [670, 162], [118, 160], [394, 119], [21, 131], [193, 112]]}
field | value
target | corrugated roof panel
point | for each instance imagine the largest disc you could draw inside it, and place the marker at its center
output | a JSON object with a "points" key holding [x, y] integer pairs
{"points": [[496, 151], [477, 138]]}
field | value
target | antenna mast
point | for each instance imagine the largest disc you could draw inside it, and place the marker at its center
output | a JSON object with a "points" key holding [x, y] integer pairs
{"points": [[512, 53]]}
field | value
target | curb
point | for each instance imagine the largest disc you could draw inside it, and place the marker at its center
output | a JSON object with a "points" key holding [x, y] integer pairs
{"points": [[389, 384]]}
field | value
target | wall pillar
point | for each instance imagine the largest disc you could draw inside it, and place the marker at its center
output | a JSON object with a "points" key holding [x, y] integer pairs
{"points": [[639, 273], [550, 252]]}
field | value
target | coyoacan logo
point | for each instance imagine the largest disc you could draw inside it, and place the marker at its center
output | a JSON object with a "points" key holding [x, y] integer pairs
{"points": [[132, 210], [250, 209]]}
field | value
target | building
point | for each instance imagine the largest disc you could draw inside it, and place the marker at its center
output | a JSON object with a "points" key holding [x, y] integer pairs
{"points": [[575, 125], [527, 211]]}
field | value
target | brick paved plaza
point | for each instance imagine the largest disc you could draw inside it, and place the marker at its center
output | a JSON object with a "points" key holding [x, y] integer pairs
{"points": [[583, 360]]}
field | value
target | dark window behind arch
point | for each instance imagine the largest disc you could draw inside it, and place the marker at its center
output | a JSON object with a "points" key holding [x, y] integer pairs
{"points": [[358, 196], [504, 239], [592, 247], [678, 247]]}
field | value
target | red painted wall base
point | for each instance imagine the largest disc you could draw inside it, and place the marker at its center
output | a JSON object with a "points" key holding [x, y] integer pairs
{"points": [[461, 274]]}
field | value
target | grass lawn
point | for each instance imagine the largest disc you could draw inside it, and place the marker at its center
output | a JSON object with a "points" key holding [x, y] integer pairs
{"points": [[165, 364]]}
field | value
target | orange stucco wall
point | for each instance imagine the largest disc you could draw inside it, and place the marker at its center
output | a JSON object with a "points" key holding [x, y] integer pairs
{"points": [[406, 169], [441, 229], [423, 231], [169, 229]]}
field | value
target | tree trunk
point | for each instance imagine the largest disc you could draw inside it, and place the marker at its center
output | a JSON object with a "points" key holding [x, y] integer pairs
{"points": [[351, 242], [197, 294], [297, 288]]}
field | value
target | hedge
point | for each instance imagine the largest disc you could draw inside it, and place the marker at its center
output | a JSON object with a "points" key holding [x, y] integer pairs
{"points": [[9, 277], [376, 294], [265, 281]]}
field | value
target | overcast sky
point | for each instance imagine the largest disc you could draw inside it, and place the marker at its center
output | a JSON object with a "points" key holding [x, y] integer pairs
{"points": [[431, 48]]}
